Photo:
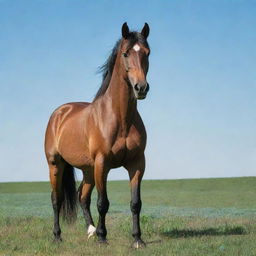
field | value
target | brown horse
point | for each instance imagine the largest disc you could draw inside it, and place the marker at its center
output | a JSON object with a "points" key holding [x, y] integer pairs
{"points": [[101, 135]]}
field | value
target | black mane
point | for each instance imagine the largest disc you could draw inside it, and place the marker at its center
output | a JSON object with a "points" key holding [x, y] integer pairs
{"points": [[107, 68]]}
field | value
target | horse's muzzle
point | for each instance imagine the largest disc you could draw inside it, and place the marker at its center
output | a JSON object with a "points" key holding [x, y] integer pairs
{"points": [[141, 90]]}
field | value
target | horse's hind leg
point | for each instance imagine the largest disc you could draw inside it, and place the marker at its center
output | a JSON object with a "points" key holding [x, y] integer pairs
{"points": [[56, 173], [85, 191]]}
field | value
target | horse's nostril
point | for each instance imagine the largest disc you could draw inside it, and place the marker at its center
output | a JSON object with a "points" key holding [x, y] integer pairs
{"points": [[141, 88], [136, 87]]}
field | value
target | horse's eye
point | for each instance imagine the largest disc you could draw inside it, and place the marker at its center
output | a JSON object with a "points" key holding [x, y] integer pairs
{"points": [[125, 54]]}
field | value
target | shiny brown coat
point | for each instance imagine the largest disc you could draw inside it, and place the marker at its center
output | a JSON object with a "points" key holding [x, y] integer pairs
{"points": [[101, 135]]}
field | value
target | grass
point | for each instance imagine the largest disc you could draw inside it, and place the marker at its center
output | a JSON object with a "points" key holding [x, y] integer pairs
{"points": [[179, 217]]}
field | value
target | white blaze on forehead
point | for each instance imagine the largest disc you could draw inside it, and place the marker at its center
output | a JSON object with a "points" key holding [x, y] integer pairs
{"points": [[136, 47]]}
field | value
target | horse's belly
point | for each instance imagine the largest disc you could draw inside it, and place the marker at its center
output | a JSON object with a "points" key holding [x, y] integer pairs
{"points": [[78, 160], [74, 151]]}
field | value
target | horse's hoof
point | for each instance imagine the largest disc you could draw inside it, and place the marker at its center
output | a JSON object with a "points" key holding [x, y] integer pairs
{"points": [[57, 239], [102, 241], [138, 244], [91, 231]]}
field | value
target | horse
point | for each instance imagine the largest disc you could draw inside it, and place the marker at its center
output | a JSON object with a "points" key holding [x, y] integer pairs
{"points": [[98, 136]]}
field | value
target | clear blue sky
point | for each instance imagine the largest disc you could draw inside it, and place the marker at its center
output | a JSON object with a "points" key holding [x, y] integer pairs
{"points": [[200, 112]]}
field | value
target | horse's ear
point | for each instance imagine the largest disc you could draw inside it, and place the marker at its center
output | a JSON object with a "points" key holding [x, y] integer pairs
{"points": [[125, 31], [145, 30]]}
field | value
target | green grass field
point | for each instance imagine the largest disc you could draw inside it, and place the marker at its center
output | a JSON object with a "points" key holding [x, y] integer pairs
{"points": [[179, 217]]}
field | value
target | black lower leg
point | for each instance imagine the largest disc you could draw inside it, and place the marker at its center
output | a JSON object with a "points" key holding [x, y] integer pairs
{"points": [[135, 208], [103, 205], [56, 204], [85, 205]]}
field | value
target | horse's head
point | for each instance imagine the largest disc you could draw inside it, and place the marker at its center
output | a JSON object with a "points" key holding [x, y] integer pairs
{"points": [[134, 54]]}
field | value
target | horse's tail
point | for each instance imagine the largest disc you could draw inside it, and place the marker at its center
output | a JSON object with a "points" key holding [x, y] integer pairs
{"points": [[69, 203]]}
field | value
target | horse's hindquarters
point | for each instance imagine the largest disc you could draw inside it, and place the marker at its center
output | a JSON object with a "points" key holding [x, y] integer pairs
{"points": [[66, 135]]}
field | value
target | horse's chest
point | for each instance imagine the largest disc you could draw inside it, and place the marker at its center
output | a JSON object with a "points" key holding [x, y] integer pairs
{"points": [[119, 147], [124, 148]]}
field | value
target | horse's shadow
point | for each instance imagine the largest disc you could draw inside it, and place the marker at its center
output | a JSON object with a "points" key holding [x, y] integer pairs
{"points": [[219, 231]]}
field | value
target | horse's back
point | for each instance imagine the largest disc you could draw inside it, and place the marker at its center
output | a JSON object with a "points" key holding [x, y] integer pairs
{"points": [[64, 112], [71, 107]]}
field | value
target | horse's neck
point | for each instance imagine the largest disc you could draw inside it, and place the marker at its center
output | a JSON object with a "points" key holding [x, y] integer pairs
{"points": [[124, 105]]}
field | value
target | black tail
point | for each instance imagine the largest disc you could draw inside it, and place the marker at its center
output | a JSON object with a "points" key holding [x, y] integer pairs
{"points": [[69, 203]]}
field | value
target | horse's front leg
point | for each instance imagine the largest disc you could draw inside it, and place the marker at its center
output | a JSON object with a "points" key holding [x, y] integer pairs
{"points": [[136, 170], [100, 177]]}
